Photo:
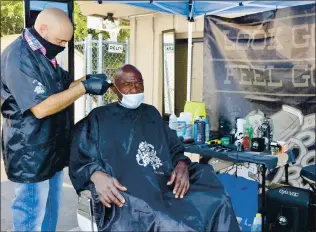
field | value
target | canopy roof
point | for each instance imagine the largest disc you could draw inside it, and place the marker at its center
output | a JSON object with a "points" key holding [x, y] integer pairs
{"points": [[41, 5], [198, 8], [187, 8]]}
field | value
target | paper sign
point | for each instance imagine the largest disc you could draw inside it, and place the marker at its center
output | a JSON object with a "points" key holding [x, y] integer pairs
{"points": [[115, 48]]}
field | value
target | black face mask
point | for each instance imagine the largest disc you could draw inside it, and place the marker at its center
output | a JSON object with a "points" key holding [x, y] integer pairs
{"points": [[51, 49]]}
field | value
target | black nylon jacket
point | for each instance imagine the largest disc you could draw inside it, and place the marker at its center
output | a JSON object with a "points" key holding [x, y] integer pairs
{"points": [[33, 149]]}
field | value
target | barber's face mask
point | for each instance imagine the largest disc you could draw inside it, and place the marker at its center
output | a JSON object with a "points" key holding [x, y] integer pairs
{"points": [[131, 101], [52, 50]]}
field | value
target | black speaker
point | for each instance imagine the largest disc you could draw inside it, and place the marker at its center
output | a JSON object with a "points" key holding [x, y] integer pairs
{"points": [[290, 209]]}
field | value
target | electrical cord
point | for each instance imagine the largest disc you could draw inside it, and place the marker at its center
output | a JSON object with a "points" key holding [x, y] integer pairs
{"points": [[228, 170]]}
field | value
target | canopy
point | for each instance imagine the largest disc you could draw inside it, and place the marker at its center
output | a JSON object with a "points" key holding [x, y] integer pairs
{"points": [[41, 5], [199, 8], [192, 9]]}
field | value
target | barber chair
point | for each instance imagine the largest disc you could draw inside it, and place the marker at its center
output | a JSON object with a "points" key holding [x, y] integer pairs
{"points": [[85, 216], [292, 209]]}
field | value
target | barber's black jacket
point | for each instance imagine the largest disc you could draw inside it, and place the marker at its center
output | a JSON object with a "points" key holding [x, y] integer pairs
{"points": [[33, 149]]}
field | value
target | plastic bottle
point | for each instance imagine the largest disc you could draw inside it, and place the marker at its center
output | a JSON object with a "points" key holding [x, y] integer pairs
{"points": [[195, 131], [189, 127], [246, 142], [240, 125], [196, 108], [195, 128], [248, 128], [207, 130], [257, 223], [199, 125], [181, 127], [173, 122]]}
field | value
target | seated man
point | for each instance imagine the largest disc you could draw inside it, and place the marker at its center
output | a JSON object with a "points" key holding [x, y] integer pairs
{"points": [[136, 170]]}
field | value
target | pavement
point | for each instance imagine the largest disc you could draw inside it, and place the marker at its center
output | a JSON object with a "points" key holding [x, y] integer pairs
{"points": [[67, 214]]}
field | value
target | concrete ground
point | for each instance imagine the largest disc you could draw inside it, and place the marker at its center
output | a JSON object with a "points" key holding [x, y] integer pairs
{"points": [[67, 215]]}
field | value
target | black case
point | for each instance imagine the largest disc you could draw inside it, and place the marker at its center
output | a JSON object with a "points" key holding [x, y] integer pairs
{"points": [[290, 209], [257, 144]]}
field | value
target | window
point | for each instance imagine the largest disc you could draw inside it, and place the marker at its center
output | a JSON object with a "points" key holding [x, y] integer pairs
{"points": [[168, 45]]}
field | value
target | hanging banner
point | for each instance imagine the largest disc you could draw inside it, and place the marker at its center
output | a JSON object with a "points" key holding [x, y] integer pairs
{"points": [[264, 64]]}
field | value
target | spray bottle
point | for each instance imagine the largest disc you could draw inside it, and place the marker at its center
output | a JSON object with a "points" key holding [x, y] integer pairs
{"points": [[173, 122], [207, 130]]}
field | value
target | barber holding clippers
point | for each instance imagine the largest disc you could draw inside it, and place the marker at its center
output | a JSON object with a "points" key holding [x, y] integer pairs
{"points": [[35, 98]]}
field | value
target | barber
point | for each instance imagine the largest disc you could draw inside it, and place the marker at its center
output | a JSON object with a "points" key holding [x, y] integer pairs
{"points": [[35, 97]]}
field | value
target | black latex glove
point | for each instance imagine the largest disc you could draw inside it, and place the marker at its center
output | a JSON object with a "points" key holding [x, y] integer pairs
{"points": [[96, 86]]}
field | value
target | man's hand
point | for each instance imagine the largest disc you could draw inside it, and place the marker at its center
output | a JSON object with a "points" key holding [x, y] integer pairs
{"points": [[96, 86], [107, 189], [181, 177]]}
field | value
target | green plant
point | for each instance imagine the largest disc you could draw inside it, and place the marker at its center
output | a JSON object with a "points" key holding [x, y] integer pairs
{"points": [[82, 31], [12, 22], [12, 17]]}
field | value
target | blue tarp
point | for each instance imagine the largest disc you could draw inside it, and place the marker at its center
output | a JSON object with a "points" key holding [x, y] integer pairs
{"points": [[201, 8], [244, 196]]}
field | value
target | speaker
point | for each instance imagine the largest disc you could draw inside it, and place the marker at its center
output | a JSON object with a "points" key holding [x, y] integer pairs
{"points": [[290, 209]]}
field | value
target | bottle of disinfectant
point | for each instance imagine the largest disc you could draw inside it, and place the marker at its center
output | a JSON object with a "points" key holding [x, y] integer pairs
{"points": [[173, 122], [257, 223], [187, 118], [181, 127]]}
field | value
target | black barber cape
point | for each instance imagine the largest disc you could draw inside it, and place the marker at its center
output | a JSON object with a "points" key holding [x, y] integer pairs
{"points": [[139, 149]]}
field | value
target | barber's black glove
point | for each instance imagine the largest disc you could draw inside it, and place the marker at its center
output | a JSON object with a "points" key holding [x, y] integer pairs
{"points": [[96, 86], [98, 75]]}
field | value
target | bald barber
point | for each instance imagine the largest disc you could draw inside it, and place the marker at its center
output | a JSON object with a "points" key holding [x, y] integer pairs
{"points": [[35, 97]]}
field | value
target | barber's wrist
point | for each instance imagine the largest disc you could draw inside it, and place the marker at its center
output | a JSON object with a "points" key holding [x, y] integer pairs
{"points": [[81, 87], [85, 85]]}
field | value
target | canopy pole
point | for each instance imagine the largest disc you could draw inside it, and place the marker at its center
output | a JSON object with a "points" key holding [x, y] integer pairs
{"points": [[189, 64]]}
